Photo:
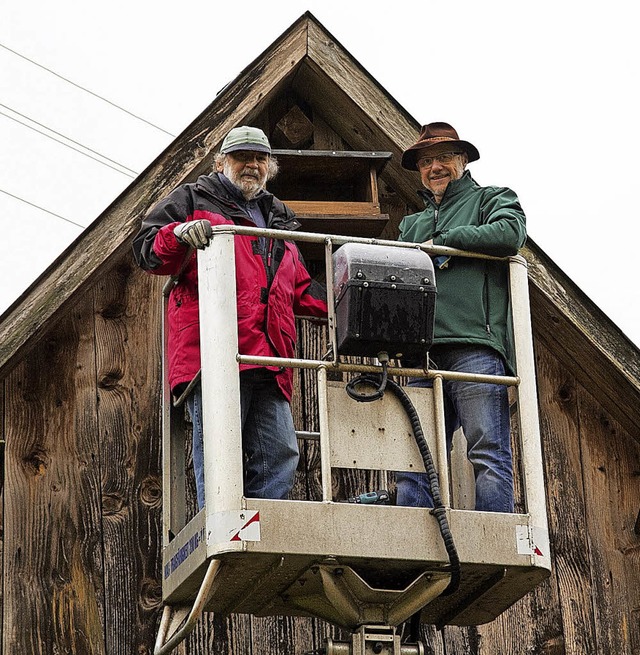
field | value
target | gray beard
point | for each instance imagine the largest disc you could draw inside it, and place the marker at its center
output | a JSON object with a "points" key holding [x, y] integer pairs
{"points": [[250, 187]]}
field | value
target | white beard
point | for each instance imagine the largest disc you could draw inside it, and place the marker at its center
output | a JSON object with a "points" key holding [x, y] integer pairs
{"points": [[247, 181]]}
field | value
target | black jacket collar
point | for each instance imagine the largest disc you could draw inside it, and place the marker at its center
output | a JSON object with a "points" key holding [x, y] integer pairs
{"points": [[279, 216]]}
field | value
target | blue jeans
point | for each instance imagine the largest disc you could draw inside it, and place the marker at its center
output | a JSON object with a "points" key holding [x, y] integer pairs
{"points": [[482, 410], [269, 441]]}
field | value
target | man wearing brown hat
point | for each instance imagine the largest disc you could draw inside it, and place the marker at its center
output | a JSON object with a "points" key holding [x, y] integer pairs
{"points": [[473, 331]]}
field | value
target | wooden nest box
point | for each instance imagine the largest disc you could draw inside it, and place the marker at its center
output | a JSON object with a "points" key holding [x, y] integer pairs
{"points": [[332, 192]]}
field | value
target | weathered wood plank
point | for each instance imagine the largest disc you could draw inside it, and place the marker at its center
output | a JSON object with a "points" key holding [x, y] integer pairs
{"points": [[231, 634], [461, 641], [560, 425], [324, 138], [328, 208], [281, 635], [295, 128], [394, 205], [218, 634], [54, 596], [127, 356], [611, 461], [312, 344], [585, 339]]}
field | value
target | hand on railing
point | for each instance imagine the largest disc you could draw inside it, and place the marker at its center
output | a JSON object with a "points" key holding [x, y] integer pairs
{"points": [[196, 234]]}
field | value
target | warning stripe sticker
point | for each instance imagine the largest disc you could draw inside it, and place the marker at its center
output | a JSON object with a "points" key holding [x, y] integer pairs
{"points": [[531, 541], [241, 525]]}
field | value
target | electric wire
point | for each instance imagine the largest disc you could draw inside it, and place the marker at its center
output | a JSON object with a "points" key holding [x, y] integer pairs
{"points": [[64, 136], [131, 172], [53, 138], [68, 220], [78, 86]]}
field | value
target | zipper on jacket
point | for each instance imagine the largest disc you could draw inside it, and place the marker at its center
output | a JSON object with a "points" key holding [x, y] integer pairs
{"points": [[270, 275], [268, 269], [486, 303]]}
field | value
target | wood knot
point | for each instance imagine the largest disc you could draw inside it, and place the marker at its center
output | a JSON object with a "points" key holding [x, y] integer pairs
{"points": [[112, 504], [110, 380], [150, 594], [554, 646], [124, 269], [151, 491], [605, 422], [566, 393], [113, 310], [37, 462]]}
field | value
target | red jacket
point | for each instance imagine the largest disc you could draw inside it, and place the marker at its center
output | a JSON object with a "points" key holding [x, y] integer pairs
{"points": [[270, 289]]}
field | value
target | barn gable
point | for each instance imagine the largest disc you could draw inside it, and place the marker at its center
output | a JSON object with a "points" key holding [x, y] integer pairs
{"points": [[350, 111]]}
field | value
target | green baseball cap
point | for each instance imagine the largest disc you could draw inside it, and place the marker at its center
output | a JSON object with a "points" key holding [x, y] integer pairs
{"points": [[245, 138]]}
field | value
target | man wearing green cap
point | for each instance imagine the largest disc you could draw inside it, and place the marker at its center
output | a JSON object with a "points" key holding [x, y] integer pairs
{"points": [[272, 286]]}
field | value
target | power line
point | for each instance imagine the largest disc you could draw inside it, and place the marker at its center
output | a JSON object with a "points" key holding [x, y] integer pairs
{"points": [[68, 145], [113, 104], [113, 161], [68, 220]]}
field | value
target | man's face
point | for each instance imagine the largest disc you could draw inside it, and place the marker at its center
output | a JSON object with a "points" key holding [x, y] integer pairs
{"points": [[247, 169], [437, 168]]}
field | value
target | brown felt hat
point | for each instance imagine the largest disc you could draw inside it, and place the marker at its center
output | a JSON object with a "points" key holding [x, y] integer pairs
{"points": [[436, 134]]}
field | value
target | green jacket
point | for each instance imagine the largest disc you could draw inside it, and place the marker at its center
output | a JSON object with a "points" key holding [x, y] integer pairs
{"points": [[472, 305]]}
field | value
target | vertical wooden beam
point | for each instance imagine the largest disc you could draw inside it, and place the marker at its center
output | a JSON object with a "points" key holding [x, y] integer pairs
{"points": [[566, 504], [611, 465], [129, 393], [54, 595]]}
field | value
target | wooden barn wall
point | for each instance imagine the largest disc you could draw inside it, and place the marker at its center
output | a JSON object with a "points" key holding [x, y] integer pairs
{"points": [[82, 503], [82, 495]]}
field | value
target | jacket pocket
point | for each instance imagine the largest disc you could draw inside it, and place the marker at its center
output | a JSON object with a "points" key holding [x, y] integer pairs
{"points": [[183, 311]]}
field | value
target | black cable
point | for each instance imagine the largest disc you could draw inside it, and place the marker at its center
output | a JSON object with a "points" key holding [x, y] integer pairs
{"points": [[64, 136], [68, 145], [113, 104], [439, 510], [68, 220]]}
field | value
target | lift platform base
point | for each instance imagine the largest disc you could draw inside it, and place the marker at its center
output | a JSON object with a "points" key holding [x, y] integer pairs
{"points": [[295, 544], [373, 640]]}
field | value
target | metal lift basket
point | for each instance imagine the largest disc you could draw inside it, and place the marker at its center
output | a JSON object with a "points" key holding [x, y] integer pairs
{"points": [[355, 565]]}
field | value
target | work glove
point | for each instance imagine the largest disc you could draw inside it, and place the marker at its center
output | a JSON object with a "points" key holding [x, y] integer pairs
{"points": [[196, 234]]}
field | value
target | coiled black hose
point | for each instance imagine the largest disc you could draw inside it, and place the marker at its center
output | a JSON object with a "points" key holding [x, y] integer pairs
{"points": [[381, 382]]}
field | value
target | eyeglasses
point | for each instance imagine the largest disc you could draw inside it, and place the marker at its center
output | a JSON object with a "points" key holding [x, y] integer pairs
{"points": [[444, 158], [246, 156]]}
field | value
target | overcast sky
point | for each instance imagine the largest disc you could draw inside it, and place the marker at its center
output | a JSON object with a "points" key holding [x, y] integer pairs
{"points": [[547, 91]]}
